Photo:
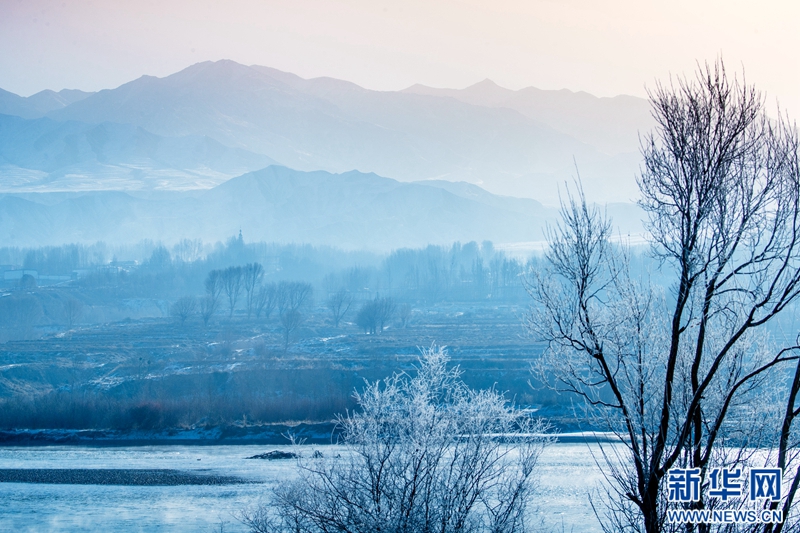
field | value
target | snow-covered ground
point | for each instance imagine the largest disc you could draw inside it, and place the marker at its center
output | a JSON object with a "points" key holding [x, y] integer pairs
{"points": [[568, 473]]}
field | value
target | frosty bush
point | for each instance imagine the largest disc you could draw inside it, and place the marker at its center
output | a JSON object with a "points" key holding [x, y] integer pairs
{"points": [[422, 454]]}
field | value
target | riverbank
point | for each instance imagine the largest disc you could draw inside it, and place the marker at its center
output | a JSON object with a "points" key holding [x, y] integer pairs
{"points": [[274, 434], [319, 433]]}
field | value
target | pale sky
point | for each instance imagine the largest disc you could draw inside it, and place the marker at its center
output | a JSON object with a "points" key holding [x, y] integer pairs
{"points": [[605, 48]]}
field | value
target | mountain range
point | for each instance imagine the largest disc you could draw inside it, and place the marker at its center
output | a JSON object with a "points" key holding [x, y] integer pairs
{"points": [[37, 105], [524, 143], [352, 210], [610, 124], [220, 146], [47, 155]]}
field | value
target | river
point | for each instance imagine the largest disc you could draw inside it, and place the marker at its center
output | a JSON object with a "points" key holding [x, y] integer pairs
{"points": [[567, 473]]}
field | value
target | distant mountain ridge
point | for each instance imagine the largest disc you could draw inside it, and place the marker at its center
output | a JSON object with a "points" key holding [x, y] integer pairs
{"points": [[351, 210], [39, 104], [611, 124], [47, 155], [520, 143]]}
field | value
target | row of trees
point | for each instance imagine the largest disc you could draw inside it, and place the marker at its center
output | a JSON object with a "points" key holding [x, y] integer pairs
{"points": [[227, 286], [287, 297], [148, 269], [259, 297], [460, 272]]}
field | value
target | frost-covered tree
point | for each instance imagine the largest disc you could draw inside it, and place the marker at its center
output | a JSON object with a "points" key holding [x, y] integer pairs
{"points": [[422, 454], [675, 370]]}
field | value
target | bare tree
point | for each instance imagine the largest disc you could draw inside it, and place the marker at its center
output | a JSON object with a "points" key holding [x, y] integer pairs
{"points": [[73, 310], [339, 303], [252, 274], [788, 458], [160, 259], [675, 373], [367, 317], [292, 295], [232, 285], [422, 454], [183, 308], [213, 285], [207, 309], [188, 250], [386, 310], [290, 321], [404, 314], [266, 299], [375, 314]]}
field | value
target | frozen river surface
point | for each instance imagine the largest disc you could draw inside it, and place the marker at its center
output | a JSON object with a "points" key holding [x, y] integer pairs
{"points": [[567, 474]]}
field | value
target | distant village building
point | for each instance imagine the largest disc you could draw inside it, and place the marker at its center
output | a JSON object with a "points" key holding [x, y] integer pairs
{"points": [[16, 275]]}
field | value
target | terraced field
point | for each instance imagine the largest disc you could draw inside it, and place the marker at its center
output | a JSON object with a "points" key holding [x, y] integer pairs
{"points": [[155, 374]]}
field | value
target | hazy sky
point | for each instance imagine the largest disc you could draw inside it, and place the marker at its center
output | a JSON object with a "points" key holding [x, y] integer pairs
{"points": [[605, 48]]}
